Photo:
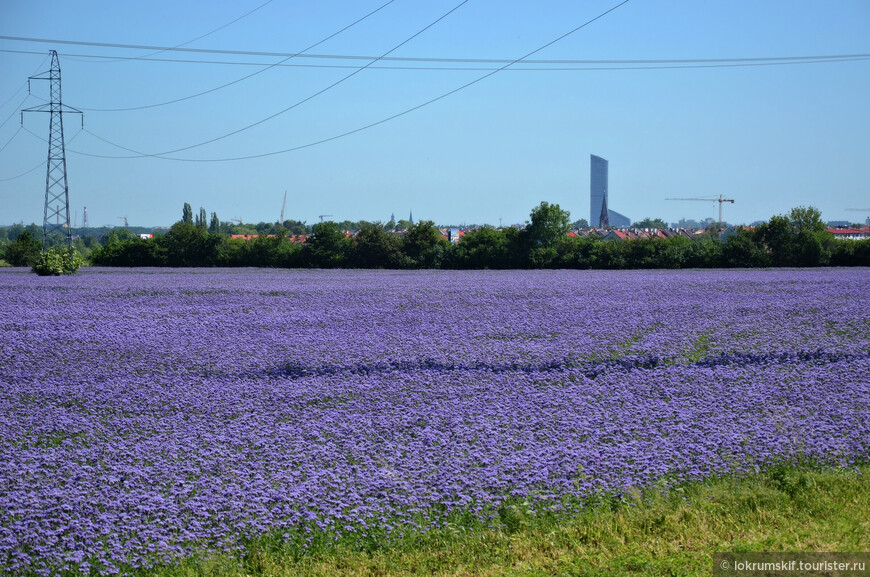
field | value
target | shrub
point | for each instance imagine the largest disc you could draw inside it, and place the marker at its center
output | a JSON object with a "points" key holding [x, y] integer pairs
{"points": [[56, 261]]}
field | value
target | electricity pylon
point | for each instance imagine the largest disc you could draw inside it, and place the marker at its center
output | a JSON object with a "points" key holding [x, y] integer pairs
{"points": [[56, 215]]}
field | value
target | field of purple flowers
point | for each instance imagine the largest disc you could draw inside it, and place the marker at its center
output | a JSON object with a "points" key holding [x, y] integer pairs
{"points": [[148, 414]]}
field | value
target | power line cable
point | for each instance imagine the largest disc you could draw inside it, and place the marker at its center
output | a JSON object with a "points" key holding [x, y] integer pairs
{"points": [[555, 66], [2, 148], [15, 112], [427, 103], [14, 94], [25, 83], [494, 61], [394, 116], [304, 100], [267, 67], [527, 66], [218, 29], [41, 164]]}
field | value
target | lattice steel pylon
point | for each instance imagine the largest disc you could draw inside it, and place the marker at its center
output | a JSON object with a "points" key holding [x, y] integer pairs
{"points": [[56, 214]]}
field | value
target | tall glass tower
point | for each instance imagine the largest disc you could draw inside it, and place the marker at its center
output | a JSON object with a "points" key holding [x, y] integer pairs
{"points": [[597, 189]]}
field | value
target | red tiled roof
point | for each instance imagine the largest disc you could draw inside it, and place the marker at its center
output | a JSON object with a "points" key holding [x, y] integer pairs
{"points": [[849, 230]]}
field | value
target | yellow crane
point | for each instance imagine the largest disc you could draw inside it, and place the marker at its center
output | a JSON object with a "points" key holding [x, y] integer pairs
{"points": [[720, 199]]}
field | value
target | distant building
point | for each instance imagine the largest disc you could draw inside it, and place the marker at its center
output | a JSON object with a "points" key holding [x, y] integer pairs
{"points": [[683, 223], [597, 190], [600, 214], [850, 233], [618, 220]]}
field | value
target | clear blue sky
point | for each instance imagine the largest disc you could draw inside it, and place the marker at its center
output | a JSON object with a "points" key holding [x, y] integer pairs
{"points": [[771, 137]]}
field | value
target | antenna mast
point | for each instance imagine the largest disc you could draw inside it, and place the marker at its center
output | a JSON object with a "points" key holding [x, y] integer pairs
{"points": [[56, 214]]}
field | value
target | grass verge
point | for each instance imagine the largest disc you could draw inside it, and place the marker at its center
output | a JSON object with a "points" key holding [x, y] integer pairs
{"points": [[784, 509]]}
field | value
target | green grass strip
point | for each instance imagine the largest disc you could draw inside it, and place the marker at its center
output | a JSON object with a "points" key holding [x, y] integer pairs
{"points": [[786, 509]]}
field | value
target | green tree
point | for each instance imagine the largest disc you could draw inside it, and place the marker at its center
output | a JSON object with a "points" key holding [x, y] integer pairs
{"points": [[190, 245], [609, 255], [24, 250], [704, 252], [575, 252], [742, 250], [673, 252], [328, 246], [486, 247], [851, 253], [806, 219], [423, 245], [214, 227], [548, 224], [116, 235], [201, 218], [797, 239], [187, 214], [814, 243], [373, 247], [130, 252], [295, 227], [777, 237], [269, 251]]}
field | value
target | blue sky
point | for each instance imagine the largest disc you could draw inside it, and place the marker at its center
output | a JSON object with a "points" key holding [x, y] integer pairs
{"points": [[770, 136]]}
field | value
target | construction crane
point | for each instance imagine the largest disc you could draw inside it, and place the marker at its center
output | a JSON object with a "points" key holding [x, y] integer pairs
{"points": [[322, 216], [124, 218], [720, 199], [283, 205], [238, 220]]}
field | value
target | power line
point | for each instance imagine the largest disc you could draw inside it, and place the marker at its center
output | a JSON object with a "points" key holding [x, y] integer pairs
{"points": [[2, 148], [25, 83], [398, 115], [267, 67], [178, 46], [219, 28], [494, 61], [15, 112], [41, 164], [14, 94], [304, 100], [554, 66]]}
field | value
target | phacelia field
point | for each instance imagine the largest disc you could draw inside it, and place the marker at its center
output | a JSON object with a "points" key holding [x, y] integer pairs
{"points": [[149, 414]]}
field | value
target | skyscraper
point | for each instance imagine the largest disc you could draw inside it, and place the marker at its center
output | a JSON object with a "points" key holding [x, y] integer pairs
{"points": [[600, 214], [597, 189]]}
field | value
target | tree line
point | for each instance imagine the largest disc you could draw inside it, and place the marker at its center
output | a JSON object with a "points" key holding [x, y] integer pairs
{"points": [[798, 238]]}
